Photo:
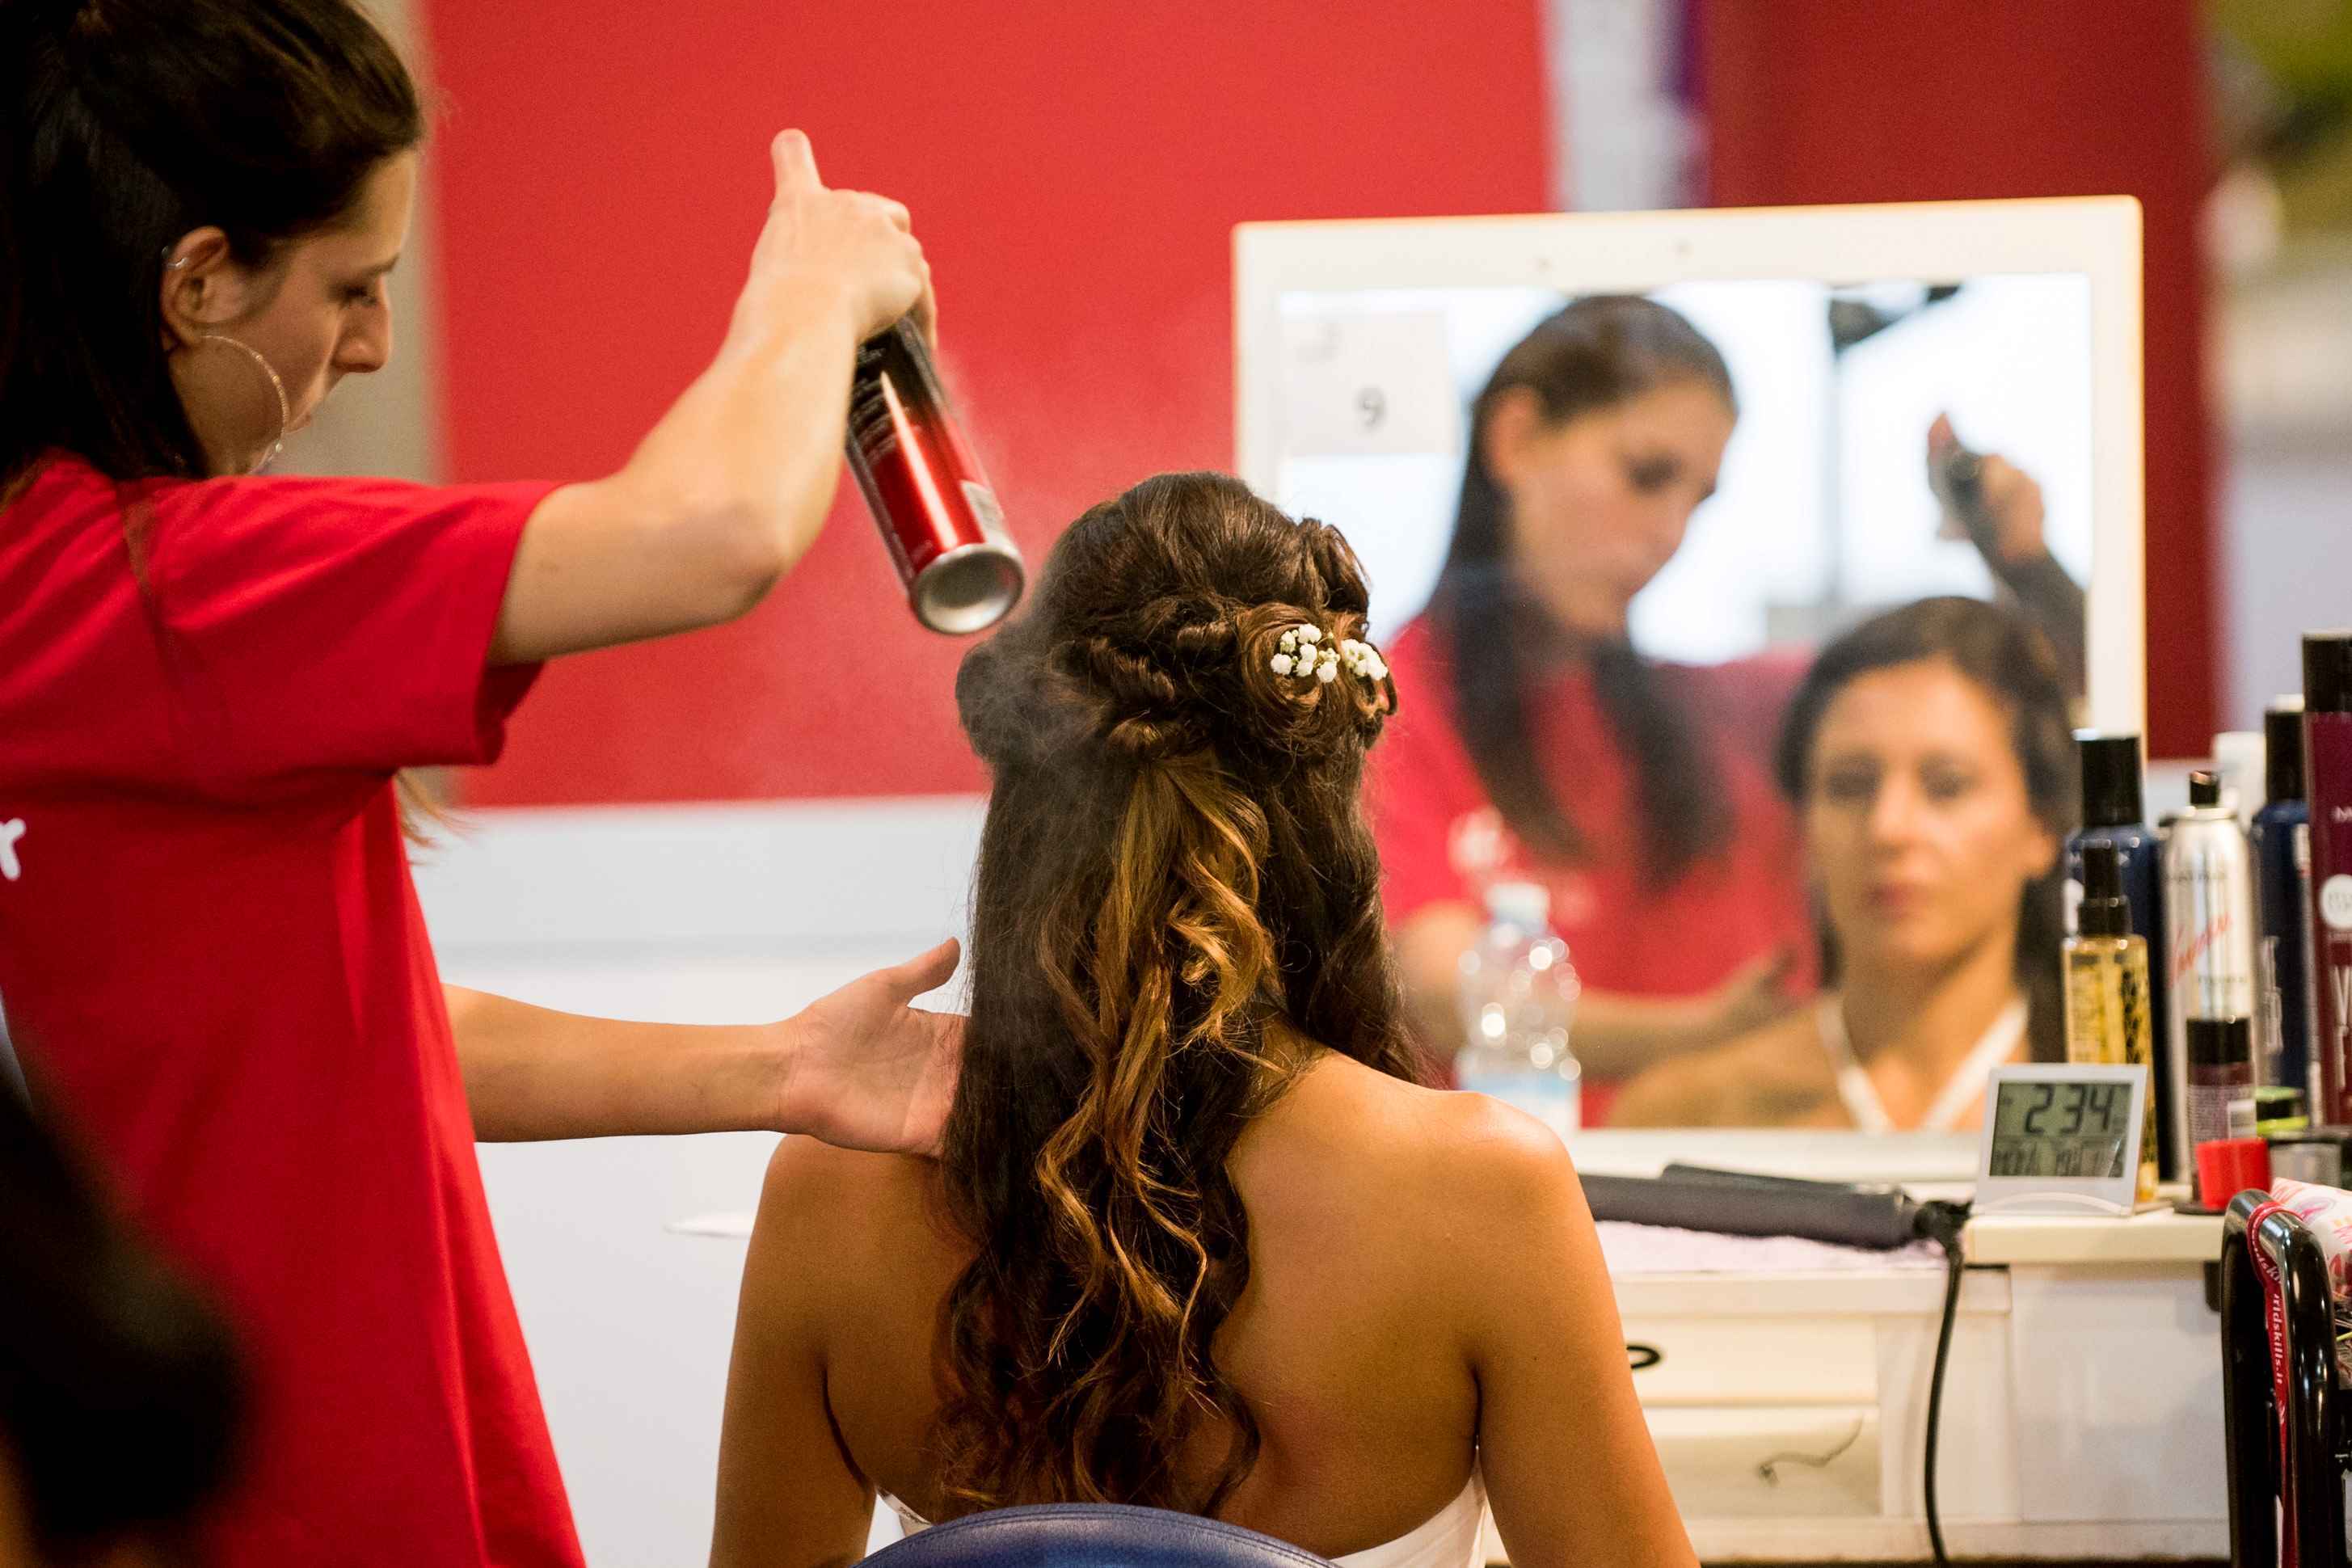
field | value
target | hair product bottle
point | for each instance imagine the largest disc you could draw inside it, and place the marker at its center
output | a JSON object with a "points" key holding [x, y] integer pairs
{"points": [[2280, 838], [2113, 814], [2106, 991], [2208, 937], [2220, 1074], [2327, 780], [925, 487]]}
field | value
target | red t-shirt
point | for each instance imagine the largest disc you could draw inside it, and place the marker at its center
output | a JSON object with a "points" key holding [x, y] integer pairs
{"points": [[216, 975], [1441, 837]]}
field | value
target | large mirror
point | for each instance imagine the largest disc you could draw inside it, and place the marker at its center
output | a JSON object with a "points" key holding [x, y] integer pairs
{"points": [[1744, 573]]}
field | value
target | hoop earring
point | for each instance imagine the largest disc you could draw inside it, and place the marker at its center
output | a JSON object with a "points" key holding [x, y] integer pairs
{"points": [[285, 409]]}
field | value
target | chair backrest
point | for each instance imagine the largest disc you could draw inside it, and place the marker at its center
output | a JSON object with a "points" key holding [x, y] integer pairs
{"points": [[2250, 1419], [1091, 1535]]}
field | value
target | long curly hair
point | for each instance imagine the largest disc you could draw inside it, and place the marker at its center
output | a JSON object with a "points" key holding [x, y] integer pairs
{"points": [[1176, 890]]}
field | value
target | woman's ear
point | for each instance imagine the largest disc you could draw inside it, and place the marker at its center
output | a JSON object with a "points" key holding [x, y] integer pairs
{"points": [[204, 288], [2042, 852], [1513, 421]]}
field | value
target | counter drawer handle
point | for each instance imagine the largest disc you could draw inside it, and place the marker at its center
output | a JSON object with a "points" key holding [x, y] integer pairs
{"points": [[1770, 1469], [1644, 1357]]}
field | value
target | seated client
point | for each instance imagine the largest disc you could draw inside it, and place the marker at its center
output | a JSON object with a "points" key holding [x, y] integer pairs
{"points": [[1197, 1238], [1929, 759]]}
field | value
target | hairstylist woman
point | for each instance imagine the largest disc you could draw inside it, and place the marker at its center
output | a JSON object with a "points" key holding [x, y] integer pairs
{"points": [[1540, 744], [212, 955]]}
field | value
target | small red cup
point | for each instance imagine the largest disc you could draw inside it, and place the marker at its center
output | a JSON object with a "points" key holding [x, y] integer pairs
{"points": [[2228, 1166]]}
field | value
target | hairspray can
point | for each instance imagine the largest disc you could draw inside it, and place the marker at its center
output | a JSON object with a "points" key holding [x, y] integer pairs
{"points": [[2221, 1076], [2208, 910], [925, 487], [2327, 780], [2280, 839], [2113, 814]]}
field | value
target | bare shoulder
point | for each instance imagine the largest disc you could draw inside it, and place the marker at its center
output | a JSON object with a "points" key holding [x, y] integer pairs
{"points": [[834, 1217], [1406, 1149]]}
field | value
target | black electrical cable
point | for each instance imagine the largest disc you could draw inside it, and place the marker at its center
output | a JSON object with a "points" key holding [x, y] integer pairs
{"points": [[1941, 1223]]}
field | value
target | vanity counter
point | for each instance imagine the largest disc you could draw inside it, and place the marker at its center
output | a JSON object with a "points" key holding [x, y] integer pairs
{"points": [[1786, 1384]]}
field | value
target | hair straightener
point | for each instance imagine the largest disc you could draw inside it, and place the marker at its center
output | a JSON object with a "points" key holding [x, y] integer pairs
{"points": [[1738, 1202]]}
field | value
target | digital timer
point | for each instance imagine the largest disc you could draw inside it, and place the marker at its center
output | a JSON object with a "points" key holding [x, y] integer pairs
{"points": [[2061, 1139]]}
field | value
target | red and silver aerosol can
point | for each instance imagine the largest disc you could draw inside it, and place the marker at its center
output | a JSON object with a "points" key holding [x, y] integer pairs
{"points": [[925, 487]]}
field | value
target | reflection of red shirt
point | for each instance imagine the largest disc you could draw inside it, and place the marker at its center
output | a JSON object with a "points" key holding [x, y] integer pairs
{"points": [[217, 978], [1441, 839]]}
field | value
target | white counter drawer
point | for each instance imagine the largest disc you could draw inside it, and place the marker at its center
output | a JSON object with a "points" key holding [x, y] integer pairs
{"points": [[1722, 1361], [1812, 1461]]}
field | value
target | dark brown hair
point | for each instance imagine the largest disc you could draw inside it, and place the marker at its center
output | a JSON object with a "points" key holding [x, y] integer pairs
{"points": [[1176, 888], [1587, 357], [127, 125], [2011, 661], [123, 1397]]}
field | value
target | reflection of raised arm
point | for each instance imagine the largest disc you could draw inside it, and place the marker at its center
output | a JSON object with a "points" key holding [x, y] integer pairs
{"points": [[1615, 1035], [1997, 506]]}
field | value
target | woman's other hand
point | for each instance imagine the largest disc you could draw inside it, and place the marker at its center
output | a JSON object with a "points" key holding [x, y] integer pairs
{"points": [[1756, 994], [2010, 499], [852, 245], [862, 1069]]}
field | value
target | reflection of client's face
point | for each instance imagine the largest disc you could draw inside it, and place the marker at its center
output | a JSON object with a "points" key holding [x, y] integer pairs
{"points": [[1917, 822], [1600, 503]]}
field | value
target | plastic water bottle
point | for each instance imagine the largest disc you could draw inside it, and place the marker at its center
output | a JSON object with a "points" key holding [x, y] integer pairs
{"points": [[1519, 999]]}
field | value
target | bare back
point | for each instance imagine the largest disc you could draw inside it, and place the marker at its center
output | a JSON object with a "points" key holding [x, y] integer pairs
{"points": [[1426, 1294]]}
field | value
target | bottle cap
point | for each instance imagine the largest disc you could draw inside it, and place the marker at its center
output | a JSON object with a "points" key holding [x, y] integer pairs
{"points": [[2220, 1042], [2278, 1109], [2204, 791], [1526, 904], [2282, 750], [2327, 672], [2111, 789], [2105, 911]]}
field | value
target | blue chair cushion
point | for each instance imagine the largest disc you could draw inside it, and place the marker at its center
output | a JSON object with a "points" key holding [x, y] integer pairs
{"points": [[1091, 1535]]}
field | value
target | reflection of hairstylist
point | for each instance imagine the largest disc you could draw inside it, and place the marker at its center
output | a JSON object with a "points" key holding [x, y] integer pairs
{"points": [[1996, 506], [1638, 790], [1533, 728], [210, 947], [1929, 755]]}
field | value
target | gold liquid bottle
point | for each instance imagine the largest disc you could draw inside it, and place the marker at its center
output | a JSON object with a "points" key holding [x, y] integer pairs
{"points": [[2106, 991]]}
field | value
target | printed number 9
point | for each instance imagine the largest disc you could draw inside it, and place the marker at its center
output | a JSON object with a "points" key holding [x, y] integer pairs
{"points": [[1373, 406]]}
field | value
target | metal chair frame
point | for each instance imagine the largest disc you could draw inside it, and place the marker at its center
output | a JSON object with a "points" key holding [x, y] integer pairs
{"points": [[2315, 1455]]}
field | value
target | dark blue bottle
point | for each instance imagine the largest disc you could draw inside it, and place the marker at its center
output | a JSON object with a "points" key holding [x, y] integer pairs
{"points": [[2113, 813], [2280, 837]]}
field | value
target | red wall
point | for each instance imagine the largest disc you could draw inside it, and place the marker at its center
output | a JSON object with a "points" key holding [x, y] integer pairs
{"points": [[1075, 171], [1828, 101]]}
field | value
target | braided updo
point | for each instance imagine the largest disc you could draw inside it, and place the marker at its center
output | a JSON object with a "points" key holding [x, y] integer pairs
{"points": [[1154, 637], [1178, 901]]}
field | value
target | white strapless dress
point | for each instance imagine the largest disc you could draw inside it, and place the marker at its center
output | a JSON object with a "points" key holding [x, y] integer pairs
{"points": [[1447, 1539]]}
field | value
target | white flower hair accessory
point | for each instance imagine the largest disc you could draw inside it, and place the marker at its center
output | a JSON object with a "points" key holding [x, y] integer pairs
{"points": [[1301, 656], [1362, 660], [1306, 655]]}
